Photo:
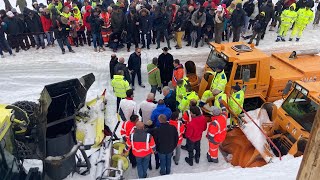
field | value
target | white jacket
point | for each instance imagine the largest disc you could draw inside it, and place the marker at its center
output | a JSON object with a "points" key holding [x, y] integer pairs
{"points": [[127, 108], [145, 109]]}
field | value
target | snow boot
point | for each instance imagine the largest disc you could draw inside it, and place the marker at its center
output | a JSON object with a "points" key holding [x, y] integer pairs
{"points": [[297, 39], [128, 49], [209, 158], [290, 39], [72, 51], [157, 165], [196, 46], [175, 162], [141, 85], [197, 160], [278, 39], [101, 49], [215, 160], [95, 50], [158, 47], [283, 39], [189, 161]]}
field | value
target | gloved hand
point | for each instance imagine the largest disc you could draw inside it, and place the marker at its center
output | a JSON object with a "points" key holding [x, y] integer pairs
{"points": [[159, 90]]}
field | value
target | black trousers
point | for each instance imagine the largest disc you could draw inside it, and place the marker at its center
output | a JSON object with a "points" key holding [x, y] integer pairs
{"points": [[118, 103], [191, 146], [138, 73], [132, 158], [236, 34]]}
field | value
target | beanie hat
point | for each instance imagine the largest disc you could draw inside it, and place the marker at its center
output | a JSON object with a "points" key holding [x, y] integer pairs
{"points": [[13, 10], [10, 14], [201, 9], [236, 87], [215, 110], [219, 8]]}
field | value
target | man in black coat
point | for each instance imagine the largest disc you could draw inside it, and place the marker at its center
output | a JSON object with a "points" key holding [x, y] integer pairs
{"points": [[122, 66], [165, 64], [237, 21], [34, 26], [134, 66], [13, 31], [145, 26], [132, 28], [269, 11], [161, 21], [112, 64], [166, 138], [169, 98]]}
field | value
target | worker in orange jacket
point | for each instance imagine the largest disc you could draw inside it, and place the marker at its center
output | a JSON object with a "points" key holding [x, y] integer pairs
{"points": [[127, 129], [142, 145], [216, 132], [178, 72], [180, 129]]}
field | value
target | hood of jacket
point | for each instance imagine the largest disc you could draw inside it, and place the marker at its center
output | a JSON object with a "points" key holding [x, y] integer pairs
{"points": [[293, 5], [118, 77]]}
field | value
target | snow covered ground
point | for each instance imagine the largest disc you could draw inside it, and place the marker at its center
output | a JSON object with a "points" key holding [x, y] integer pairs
{"points": [[24, 76]]}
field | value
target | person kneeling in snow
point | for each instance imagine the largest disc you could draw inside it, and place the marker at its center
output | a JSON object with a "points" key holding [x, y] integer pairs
{"points": [[216, 132]]}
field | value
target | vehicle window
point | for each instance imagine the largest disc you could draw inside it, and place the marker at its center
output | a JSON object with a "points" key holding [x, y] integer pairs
{"points": [[215, 59], [240, 68], [301, 109]]}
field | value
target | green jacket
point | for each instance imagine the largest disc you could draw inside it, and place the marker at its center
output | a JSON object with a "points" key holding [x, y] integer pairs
{"points": [[219, 81], [185, 102], [239, 97], [154, 75], [120, 86], [181, 90]]}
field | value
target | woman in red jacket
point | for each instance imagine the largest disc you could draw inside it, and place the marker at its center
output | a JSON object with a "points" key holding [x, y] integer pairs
{"points": [[193, 134], [87, 24], [47, 25]]}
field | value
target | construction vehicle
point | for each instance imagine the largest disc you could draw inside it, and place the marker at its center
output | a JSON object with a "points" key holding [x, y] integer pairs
{"points": [[268, 75], [287, 131], [42, 141]]}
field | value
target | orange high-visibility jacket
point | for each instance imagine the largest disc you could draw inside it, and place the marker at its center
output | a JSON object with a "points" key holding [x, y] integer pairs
{"points": [[180, 129], [141, 142], [217, 130], [127, 129]]}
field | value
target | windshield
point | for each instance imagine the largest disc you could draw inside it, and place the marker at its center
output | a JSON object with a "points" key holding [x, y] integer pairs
{"points": [[301, 109], [215, 59], [6, 155]]}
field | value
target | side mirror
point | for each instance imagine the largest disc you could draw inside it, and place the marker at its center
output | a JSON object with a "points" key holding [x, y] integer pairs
{"points": [[246, 75], [287, 88]]}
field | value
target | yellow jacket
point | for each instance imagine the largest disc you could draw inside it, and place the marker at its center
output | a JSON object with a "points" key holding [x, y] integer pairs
{"points": [[288, 17], [239, 97], [304, 17], [181, 90], [219, 81], [185, 102], [220, 96], [120, 86]]}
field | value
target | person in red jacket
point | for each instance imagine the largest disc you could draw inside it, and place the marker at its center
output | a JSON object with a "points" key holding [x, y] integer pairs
{"points": [[180, 129], [216, 132], [193, 134], [47, 25], [178, 72], [87, 24], [143, 145], [127, 129]]}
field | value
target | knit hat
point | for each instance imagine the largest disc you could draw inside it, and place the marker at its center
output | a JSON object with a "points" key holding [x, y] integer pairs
{"points": [[219, 8], [236, 87], [165, 49], [10, 14], [14, 10], [201, 9], [215, 110]]}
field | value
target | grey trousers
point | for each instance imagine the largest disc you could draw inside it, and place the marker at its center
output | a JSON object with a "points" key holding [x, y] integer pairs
{"points": [[177, 155]]}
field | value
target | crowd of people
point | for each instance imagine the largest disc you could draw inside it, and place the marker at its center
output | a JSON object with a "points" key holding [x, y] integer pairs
{"points": [[159, 126], [105, 23]]}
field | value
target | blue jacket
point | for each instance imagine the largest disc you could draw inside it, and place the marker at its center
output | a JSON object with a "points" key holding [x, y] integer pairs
{"points": [[160, 109]]}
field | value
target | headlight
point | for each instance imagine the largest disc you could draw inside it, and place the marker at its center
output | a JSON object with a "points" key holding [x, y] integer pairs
{"points": [[298, 87], [212, 48], [225, 57], [304, 92]]}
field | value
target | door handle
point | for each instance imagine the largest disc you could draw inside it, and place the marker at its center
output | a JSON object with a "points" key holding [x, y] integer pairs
{"points": [[255, 86]]}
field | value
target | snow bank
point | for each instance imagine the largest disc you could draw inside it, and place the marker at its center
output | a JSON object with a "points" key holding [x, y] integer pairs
{"points": [[285, 169]]}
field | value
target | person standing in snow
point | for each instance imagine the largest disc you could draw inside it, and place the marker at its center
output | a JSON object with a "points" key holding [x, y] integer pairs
{"points": [[127, 129], [127, 106], [198, 20], [288, 17], [304, 17], [3, 42], [146, 108], [47, 25], [112, 64], [122, 66], [166, 139], [237, 21], [248, 7], [193, 134], [317, 16], [96, 23], [218, 24], [61, 32], [180, 128], [165, 64], [217, 132], [154, 76], [269, 14], [258, 28], [33, 22], [120, 86], [134, 66], [143, 145]]}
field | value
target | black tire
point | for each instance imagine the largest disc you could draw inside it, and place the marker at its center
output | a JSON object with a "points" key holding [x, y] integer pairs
{"points": [[31, 108]]}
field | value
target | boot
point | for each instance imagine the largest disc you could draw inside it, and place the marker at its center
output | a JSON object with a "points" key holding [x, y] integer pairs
{"points": [[189, 161], [101, 49], [197, 160], [283, 39], [278, 39], [95, 50], [72, 51], [128, 49], [290, 39], [196, 46], [215, 160], [209, 158], [63, 51], [297, 39]]}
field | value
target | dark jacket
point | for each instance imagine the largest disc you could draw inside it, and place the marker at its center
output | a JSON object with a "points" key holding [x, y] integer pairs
{"points": [[260, 24], [161, 21], [123, 67], [209, 20], [165, 64], [248, 7], [117, 21], [145, 23], [33, 23], [303, 3], [134, 62], [170, 100], [95, 23], [180, 22], [112, 64], [131, 27], [166, 138], [12, 26], [64, 33], [238, 17], [269, 10]]}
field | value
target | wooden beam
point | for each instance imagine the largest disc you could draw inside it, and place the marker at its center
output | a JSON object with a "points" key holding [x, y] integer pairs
{"points": [[310, 165]]}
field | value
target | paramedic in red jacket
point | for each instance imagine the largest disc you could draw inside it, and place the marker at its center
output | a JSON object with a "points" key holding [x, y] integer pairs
{"points": [[216, 132], [193, 134], [180, 129], [127, 129], [142, 145]]}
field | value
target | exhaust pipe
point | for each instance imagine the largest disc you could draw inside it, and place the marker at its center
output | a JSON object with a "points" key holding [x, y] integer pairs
{"points": [[294, 54]]}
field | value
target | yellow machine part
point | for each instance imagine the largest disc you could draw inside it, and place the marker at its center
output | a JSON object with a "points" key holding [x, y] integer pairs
{"points": [[119, 147], [5, 123]]}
